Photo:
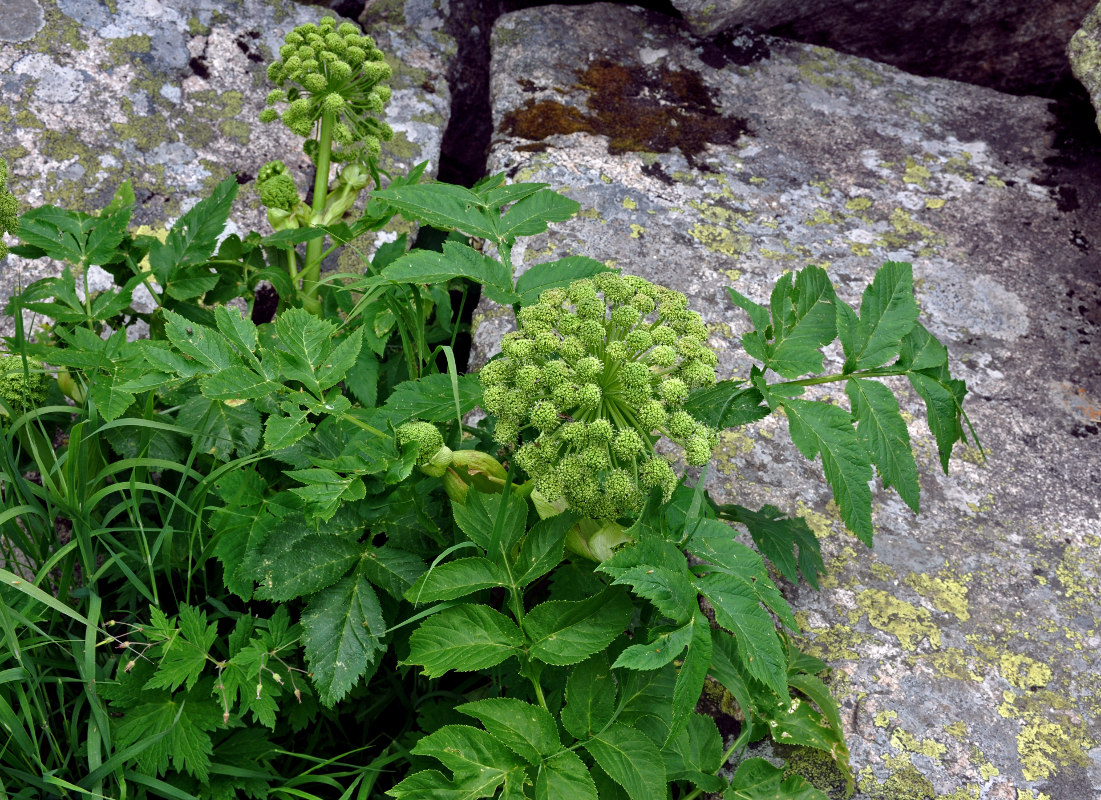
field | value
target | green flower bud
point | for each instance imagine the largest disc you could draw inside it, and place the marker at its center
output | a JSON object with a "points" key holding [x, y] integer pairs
{"points": [[697, 452], [663, 355], [591, 332], [588, 396], [673, 391], [544, 416], [681, 425], [664, 335], [600, 432], [433, 457], [652, 416]]}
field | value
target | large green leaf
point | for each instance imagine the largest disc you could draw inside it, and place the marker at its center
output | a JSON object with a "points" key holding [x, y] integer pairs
{"points": [[342, 633], [826, 429], [205, 345], [175, 728], [658, 571], [492, 522], [543, 547], [431, 784], [300, 561], [532, 214], [442, 205], [391, 569], [456, 261], [888, 312], [527, 730], [696, 754], [757, 779], [788, 542], [432, 398], [463, 638], [468, 752], [564, 632], [943, 398], [690, 678], [304, 342], [803, 319], [590, 697], [220, 429], [727, 404], [883, 433], [738, 609], [663, 647], [632, 761], [194, 236], [538, 278], [564, 776], [456, 579], [714, 544]]}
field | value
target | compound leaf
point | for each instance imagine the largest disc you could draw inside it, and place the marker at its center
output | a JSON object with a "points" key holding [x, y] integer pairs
{"points": [[883, 433], [888, 312], [826, 429], [342, 632]]}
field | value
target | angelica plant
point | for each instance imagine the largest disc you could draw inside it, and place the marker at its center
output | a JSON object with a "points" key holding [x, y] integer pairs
{"points": [[332, 84]]}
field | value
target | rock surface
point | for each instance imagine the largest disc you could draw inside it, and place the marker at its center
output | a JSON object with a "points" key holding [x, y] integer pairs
{"points": [[1006, 44], [967, 646], [166, 93], [1084, 52]]}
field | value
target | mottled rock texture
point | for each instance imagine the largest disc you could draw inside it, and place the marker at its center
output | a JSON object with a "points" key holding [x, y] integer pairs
{"points": [[967, 645], [1006, 44], [166, 93], [1084, 52]]}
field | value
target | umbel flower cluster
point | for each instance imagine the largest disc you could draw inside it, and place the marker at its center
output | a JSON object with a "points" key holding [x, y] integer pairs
{"points": [[326, 69], [595, 375]]}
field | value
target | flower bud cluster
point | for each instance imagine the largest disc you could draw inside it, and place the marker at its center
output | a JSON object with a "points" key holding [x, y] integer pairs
{"points": [[596, 373], [332, 69]]}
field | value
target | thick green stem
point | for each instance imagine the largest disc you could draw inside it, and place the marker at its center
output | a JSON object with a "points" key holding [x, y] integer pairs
{"points": [[311, 270], [868, 373]]}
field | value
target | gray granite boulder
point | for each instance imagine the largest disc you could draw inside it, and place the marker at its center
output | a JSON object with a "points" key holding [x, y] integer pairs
{"points": [[1006, 44], [166, 93], [1084, 52], [966, 646]]}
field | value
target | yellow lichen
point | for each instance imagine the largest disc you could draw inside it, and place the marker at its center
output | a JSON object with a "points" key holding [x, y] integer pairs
{"points": [[883, 718], [908, 623], [1044, 746], [858, 204], [1024, 672], [721, 240], [947, 593], [637, 231], [904, 740], [630, 204], [935, 202], [915, 173]]}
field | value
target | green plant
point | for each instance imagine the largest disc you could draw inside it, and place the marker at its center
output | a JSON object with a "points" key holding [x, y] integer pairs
{"points": [[272, 559]]}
